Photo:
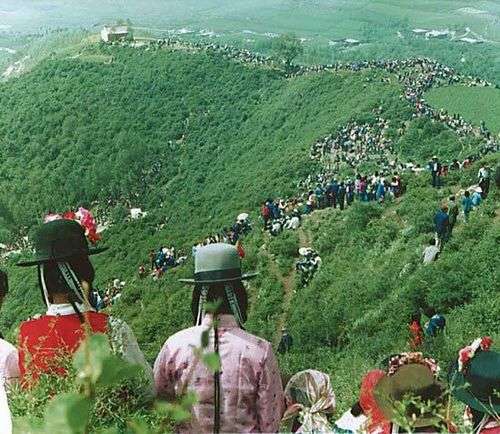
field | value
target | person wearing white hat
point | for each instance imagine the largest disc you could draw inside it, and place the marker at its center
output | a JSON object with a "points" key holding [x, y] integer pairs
{"points": [[245, 394]]}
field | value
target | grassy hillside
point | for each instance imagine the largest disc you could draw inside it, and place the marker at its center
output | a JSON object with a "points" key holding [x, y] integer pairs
{"points": [[474, 104], [194, 140]]}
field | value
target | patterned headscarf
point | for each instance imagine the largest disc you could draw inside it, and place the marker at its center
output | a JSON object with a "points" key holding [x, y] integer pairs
{"points": [[309, 397]]}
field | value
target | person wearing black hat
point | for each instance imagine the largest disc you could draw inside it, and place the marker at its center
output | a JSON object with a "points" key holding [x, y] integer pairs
{"points": [[410, 395], [475, 380], [9, 370], [246, 393], [65, 276]]}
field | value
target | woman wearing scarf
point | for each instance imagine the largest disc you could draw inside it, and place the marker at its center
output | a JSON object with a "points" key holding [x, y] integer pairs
{"points": [[309, 399], [65, 275], [245, 395]]}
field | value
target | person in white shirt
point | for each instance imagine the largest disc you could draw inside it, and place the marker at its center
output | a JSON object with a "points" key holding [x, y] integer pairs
{"points": [[431, 252]]}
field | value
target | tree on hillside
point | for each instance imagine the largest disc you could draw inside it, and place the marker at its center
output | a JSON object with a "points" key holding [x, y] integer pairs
{"points": [[286, 48]]}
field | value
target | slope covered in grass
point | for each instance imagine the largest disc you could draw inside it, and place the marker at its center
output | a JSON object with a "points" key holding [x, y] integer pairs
{"points": [[190, 138], [195, 139], [474, 104]]}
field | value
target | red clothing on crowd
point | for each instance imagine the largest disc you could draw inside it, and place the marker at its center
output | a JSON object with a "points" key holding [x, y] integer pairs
{"points": [[45, 341], [416, 335]]}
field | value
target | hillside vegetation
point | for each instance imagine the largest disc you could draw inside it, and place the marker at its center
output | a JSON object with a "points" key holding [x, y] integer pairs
{"points": [[195, 139], [474, 104]]}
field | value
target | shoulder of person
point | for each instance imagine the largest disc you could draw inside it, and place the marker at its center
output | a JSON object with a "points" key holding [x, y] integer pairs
{"points": [[6, 347], [184, 337]]}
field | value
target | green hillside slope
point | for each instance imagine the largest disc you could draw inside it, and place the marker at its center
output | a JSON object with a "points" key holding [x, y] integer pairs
{"points": [[194, 139], [474, 104]]}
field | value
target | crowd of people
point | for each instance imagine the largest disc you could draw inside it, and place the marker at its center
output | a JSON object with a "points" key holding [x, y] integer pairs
{"points": [[229, 235], [161, 260], [102, 300], [408, 392]]}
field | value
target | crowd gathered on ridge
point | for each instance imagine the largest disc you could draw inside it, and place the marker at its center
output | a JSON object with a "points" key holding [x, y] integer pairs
{"points": [[408, 392]]}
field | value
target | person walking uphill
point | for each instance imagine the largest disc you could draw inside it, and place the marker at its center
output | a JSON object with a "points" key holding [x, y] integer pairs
{"points": [[441, 223], [66, 274], [246, 394], [453, 214]]}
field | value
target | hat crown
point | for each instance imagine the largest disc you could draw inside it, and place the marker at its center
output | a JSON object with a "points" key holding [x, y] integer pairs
{"points": [[216, 258], [483, 375], [60, 239]]}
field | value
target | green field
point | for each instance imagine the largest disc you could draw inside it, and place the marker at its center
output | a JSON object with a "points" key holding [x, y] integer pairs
{"points": [[375, 23], [475, 104], [194, 139]]}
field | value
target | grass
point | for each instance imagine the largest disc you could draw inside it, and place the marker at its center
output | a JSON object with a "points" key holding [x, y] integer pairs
{"points": [[228, 136], [475, 104]]}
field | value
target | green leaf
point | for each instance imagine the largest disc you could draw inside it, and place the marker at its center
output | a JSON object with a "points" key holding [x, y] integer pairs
{"points": [[91, 357], [205, 338], [212, 361], [68, 413], [116, 371]]}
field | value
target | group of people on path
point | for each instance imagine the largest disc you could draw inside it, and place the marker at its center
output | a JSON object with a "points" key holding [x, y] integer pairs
{"points": [[162, 260], [246, 393], [434, 326], [446, 217]]}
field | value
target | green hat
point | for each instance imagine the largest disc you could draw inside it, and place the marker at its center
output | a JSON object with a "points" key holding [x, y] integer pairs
{"points": [[59, 240], [413, 381], [217, 263], [479, 385]]}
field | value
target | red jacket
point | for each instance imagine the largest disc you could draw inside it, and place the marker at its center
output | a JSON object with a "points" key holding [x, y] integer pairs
{"points": [[45, 343]]}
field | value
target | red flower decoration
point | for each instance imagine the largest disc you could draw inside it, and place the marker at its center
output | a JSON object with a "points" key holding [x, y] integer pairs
{"points": [[464, 355], [486, 342]]}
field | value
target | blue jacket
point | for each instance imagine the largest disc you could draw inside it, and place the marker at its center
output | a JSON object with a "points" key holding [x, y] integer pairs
{"points": [[441, 221], [476, 199], [467, 204]]}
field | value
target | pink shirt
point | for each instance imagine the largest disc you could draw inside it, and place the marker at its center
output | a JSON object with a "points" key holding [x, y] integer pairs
{"points": [[252, 397], [9, 369]]}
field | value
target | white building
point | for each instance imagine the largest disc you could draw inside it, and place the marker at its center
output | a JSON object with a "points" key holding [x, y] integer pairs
{"points": [[114, 33]]}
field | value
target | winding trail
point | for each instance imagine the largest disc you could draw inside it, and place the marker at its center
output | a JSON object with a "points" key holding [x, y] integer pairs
{"points": [[287, 283]]}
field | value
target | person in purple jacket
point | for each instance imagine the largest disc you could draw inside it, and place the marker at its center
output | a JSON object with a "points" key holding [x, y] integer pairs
{"points": [[246, 394]]}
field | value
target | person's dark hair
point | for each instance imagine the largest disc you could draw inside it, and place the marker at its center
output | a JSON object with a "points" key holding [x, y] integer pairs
{"points": [[415, 316], [4, 284], [55, 282], [452, 197], [356, 409], [216, 293], [430, 312], [467, 193], [432, 241]]}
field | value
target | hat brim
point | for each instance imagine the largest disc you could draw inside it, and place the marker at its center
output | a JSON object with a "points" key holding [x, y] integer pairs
{"points": [[383, 397], [245, 276], [38, 261], [461, 392]]}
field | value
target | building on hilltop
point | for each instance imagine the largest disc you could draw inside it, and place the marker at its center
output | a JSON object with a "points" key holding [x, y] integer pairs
{"points": [[114, 33]]}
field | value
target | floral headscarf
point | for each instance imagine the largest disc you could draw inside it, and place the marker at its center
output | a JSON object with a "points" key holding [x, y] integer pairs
{"points": [[309, 397]]}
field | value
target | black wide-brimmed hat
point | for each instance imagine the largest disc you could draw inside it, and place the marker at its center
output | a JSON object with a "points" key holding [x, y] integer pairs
{"points": [[478, 385], [217, 263], [60, 240], [414, 381]]}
